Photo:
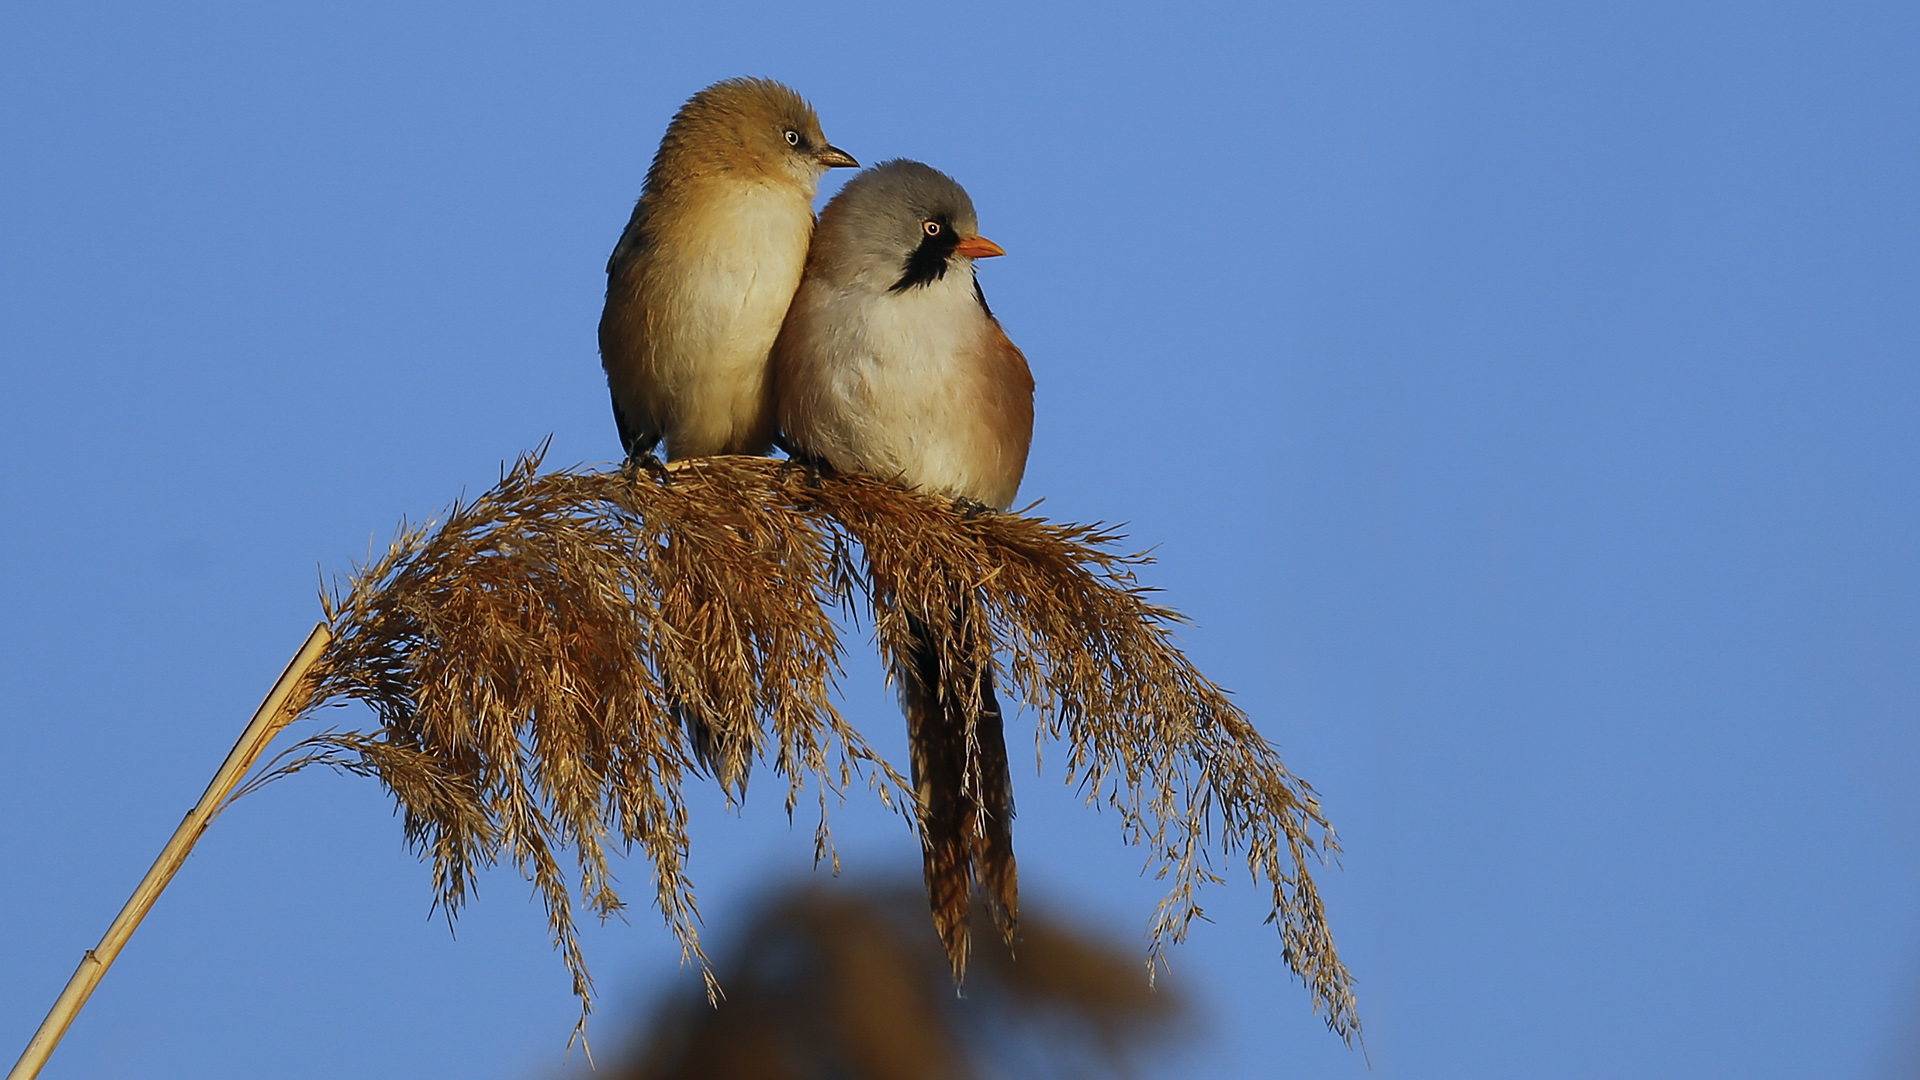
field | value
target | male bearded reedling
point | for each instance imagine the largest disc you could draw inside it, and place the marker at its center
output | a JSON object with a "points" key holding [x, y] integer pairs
{"points": [[696, 289], [701, 278], [891, 364]]}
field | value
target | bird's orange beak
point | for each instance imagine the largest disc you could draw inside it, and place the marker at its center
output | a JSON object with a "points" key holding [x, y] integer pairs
{"points": [[978, 247]]}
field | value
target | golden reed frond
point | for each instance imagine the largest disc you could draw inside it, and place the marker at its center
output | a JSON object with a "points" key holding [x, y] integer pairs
{"points": [[526, 656]]}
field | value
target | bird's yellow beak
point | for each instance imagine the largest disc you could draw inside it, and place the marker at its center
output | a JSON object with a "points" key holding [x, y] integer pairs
{"points": [[978, 247], [835, 158]]}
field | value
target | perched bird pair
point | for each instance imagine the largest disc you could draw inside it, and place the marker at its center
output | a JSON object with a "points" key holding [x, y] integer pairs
{"points": [[866, 343]]}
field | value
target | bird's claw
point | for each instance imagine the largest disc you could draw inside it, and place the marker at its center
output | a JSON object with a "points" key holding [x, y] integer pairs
{"points": [[648, 462], [816, 467]]}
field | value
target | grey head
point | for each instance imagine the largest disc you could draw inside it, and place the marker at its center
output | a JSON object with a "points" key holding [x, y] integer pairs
{"points": [[899, 226]]}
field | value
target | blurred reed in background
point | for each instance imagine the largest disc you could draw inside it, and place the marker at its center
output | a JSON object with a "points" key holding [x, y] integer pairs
{"points": [[848, 981]]}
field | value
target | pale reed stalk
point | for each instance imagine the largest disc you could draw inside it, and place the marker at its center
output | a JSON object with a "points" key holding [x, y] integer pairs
{"points": [[280, 708]]}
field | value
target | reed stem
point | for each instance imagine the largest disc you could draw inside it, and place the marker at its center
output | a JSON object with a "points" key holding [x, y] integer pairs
{"points": [[273, 715]]}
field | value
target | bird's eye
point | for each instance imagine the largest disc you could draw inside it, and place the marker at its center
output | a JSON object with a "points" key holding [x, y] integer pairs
{"points": [[793, 137], [932, 227]]}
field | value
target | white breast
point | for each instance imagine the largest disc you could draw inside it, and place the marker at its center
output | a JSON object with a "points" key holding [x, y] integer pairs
{"points": [[893, 399]]}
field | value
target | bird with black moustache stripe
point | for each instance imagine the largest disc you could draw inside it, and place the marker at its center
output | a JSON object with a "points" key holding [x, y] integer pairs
{"points": [[891, 364]]}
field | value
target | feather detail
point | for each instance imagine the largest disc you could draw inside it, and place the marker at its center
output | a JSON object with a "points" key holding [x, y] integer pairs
{"points": [[964, 789]]}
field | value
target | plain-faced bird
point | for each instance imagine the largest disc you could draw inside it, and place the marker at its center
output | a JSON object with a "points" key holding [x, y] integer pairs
{"points": [[697, 288], [891, 364], [702, 276]]}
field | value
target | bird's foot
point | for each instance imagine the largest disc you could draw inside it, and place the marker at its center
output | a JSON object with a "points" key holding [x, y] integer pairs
{"points": [[970, 508], [648, 462], [813, 465]]}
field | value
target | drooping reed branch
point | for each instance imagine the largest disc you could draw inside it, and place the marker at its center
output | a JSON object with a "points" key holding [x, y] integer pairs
{"points": [[525, 655]]}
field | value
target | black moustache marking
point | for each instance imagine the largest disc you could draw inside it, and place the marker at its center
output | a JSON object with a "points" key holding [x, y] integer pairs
{"points": [[928, 263]]}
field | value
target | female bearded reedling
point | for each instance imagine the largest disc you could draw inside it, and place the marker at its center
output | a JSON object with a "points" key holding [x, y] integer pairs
{"points": [[697, 287], [701, 278], [891, 364]]}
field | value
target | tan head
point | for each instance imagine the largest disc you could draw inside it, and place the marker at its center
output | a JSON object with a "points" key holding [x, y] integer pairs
{"points": [[749, 128]]}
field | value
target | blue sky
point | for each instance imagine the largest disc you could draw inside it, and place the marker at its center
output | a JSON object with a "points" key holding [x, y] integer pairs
{"points": [[1520, 399]]}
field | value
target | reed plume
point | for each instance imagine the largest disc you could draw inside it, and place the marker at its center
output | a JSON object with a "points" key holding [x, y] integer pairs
{"points": [[518, 653]]}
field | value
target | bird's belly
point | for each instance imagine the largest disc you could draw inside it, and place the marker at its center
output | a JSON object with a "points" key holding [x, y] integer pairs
{"points": [[711, 324], [911, 399]]}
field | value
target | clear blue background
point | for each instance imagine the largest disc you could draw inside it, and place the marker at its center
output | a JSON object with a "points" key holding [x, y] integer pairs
{"points": [[1521, 399]]}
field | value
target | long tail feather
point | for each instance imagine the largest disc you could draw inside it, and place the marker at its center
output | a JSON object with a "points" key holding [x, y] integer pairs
{"points": [[993, 856], [966, 806], [716, 752]]}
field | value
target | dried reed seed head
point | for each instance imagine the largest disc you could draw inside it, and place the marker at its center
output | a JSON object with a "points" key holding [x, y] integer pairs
{"points": [[524, 656]]}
